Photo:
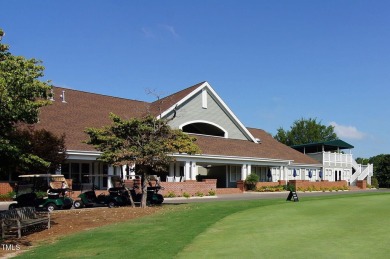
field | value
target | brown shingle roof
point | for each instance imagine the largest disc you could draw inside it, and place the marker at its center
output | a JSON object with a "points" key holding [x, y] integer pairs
{"points": [[268, 148], [165, 103], [83, 109]]}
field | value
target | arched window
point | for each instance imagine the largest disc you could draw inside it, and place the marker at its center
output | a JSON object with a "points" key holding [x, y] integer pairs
{"points": [[204, 128]]}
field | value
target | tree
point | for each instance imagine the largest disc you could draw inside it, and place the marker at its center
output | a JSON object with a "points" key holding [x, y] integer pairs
{"points": [[381, 169], [21, 97], [146, 142], [44, 145], [305, 131]]}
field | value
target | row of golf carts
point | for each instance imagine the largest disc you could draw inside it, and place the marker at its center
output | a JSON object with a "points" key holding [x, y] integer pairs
{"points": [[30, 188]]}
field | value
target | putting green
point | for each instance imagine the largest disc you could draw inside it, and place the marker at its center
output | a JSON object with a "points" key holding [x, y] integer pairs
{"points": [[353, 227]]}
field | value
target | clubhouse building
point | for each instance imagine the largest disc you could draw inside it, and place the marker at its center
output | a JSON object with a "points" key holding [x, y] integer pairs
{"points": [[230, 151]]}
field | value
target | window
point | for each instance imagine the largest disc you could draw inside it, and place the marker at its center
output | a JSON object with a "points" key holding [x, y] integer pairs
{"points": [[261, 172], [75, 172], [84, 171], [235, 173], [204, 129]]}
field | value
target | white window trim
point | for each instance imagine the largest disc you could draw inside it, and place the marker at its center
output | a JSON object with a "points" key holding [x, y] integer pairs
{"points": [[225, 135], [204, 98]]}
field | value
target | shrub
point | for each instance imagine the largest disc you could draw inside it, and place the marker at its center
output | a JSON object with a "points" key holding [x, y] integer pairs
{"points": [[290, 187], [212, 193], [187, 195], [199, 194], [374, 182], [170, 194], [270, 188], [8, 196], [250, 181]]}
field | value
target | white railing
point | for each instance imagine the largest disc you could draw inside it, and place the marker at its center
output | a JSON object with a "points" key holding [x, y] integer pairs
{"points": [[362, 171], [367, 170], [330, 158], [346, 160]]}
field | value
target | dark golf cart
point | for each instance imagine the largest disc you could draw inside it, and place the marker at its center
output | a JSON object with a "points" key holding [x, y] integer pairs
{"points": [[118, 196], [54, 185], [153, 197]]}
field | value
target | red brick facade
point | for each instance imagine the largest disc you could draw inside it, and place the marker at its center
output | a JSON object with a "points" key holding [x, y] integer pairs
{"points": [[192, 188], [319, 185], [5, 187], [362, 184]]}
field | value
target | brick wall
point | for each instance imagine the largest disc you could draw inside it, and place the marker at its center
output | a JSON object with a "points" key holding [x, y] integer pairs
{"points": [[74, 194], [190, 187], [5, 187], [241, 184], [228, 191], [362, 184], [319, 185], [262, 184]]}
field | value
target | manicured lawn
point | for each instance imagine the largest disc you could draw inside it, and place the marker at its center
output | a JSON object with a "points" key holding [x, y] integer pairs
{"points": [[342, 226]]}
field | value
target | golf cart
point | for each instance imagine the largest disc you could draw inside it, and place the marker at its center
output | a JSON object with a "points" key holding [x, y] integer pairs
{"points": [[118, 196], [54, 185], [153, 197]]}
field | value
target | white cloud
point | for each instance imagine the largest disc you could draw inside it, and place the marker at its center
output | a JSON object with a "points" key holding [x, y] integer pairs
{"points": [[170, 29], [160, 31], [349, 132]]}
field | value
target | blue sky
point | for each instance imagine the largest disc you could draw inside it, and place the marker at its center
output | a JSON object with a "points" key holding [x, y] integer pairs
{"points": [[272, 62]]}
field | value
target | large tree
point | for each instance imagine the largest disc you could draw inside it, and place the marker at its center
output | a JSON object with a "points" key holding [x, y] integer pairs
{"points": [[305, 131], [381, 169], [146, 142], [43, 144], [22, 94]]}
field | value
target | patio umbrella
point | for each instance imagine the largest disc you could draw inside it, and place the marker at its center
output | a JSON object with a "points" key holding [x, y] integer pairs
{"points": [[310, 174], [320, 174], [269, 175], [295, 173]]}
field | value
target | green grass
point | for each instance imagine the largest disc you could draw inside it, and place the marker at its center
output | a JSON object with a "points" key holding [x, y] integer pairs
{"points": [[342, 226]]}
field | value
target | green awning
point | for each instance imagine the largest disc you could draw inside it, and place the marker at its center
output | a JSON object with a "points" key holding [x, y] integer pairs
{"points": [[331, 145]]}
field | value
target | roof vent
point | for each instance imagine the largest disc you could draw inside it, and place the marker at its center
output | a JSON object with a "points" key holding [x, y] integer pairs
{"points": [[258, 140], [62, 96]]}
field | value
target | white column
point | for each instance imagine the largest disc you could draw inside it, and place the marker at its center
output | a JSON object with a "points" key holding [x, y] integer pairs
{"points": [[194, 170], [285, 170], [187, 170], [171, 169], [110, 172], [243, 172], [248, 170], [281, 173]]}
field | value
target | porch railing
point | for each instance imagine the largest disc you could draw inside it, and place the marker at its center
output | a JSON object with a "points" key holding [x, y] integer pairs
{"points": [[330, 159]]}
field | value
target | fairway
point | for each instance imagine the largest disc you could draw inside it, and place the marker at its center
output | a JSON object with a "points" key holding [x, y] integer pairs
{"points": [[342, 226], [336, 228]]}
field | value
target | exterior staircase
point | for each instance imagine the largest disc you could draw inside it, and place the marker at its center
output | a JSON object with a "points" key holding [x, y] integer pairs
{"points": [[361, 172]]}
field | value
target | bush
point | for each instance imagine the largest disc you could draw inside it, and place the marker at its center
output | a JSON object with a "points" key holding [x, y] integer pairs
{"points": [[186, 195], [212, 193], [250, 181], [199, 194], [278, 188], [290, 187], [170, 195], [374, 182], [8, 196]]}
